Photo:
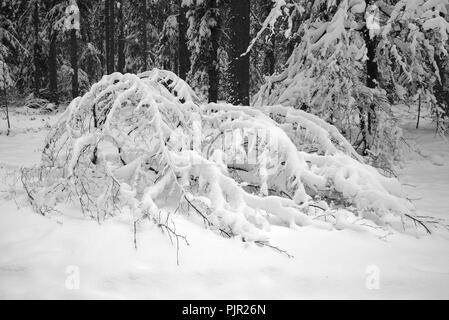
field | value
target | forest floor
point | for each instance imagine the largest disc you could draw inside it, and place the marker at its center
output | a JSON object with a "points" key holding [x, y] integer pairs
{"points": [[40, 255]]}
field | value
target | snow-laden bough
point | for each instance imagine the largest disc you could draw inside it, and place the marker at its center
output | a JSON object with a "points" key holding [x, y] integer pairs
{"points": [[144, 144]]}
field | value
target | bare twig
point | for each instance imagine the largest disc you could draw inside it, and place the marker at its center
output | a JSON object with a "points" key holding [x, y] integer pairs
{"points": [[210, 224], [266, 244], [419, 222]]}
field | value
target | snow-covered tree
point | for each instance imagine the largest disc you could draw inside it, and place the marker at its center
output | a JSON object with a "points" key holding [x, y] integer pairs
{"points": [[412, 47], [336, 71], [72, 25], [168, 57], [143, 144], [8, 44], [324, 72], [203, 35]]}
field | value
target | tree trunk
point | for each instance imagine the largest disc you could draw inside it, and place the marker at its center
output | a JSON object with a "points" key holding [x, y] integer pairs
{"points": [[239, 65], [74, 62], [112, 35], [107, 32], [212, 67], [37, 70], [121, 41], [52, 68], [372, 75], [419, 111], [183, 50], [143, 30], [109, 20]]}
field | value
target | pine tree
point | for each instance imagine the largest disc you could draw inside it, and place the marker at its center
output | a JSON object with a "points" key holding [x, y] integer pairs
{"points": [[327, 74], [7, 44], [372, 80], [72, 24], [204, 35]]}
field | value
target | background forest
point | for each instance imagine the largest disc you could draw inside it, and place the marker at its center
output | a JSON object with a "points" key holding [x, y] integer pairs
{"points": [[320, 56]]}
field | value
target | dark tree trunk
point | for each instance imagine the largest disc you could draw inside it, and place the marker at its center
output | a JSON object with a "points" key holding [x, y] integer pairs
{"points": [[52, 69], [143, 30], [212, 67], [372, 75], [74, 62], [419, 111], [183, 50], [107, 32], [239, 65], [112, 35], [121, 41], [109, 20], [174, 57], [37, 71]]}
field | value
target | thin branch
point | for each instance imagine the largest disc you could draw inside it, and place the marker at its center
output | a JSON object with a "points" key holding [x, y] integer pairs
{"points": [[419, 222], [266, 244]]}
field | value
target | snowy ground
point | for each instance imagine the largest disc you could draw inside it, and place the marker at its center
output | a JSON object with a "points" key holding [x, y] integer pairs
{"points": [[39, 256]]}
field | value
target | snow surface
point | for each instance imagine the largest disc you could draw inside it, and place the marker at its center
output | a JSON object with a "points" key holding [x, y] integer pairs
{"points": [[36, 251]]}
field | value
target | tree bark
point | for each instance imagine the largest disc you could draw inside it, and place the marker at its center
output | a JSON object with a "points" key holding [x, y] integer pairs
{"points": [[74, 62], [183, 50], [52, 68], [239, 65], [112, 35], [121, 40], [107, 36]]}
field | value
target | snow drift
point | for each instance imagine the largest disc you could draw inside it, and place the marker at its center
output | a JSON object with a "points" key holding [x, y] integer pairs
{"points": [[144, 144]]}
